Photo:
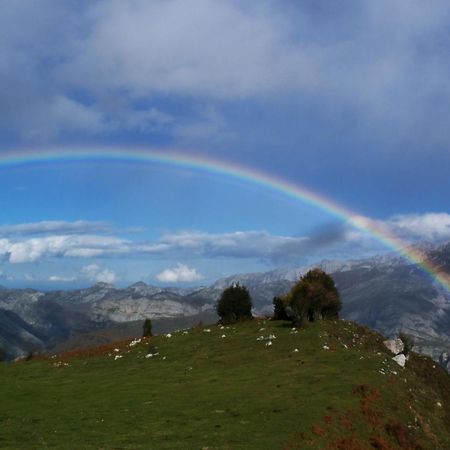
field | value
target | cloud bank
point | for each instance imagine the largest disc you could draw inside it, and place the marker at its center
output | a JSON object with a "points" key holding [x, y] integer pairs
{"points": [[22, 248], [101, 66]]}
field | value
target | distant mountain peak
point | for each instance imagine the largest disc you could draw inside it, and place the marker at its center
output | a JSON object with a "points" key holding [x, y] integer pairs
{"points": [[103, 285], [137, 285]]}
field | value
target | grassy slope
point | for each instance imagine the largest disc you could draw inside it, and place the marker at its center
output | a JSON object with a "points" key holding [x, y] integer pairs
{"points": [[229, 393]]}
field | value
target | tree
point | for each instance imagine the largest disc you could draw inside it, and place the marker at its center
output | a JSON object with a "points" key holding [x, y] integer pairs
{"points": [[279, 309], [235, 304], [147, 328], [314, 297]]}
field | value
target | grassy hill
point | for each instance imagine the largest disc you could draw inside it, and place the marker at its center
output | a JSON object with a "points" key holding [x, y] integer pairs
{"points": [[331, 385]]}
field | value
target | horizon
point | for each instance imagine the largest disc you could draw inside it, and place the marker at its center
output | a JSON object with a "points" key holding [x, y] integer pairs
{"points": [[46, 286]]}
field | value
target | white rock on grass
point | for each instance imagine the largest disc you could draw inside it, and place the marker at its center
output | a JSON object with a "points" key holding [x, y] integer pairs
{"points": [[134, 342], [400, 359], [396, 346]]}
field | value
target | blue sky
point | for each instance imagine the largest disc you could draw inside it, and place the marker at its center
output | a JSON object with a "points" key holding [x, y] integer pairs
{"points": [[350, 100]]}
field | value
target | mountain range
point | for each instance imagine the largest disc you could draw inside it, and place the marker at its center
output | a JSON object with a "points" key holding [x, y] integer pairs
{"points": [[385, 292]]}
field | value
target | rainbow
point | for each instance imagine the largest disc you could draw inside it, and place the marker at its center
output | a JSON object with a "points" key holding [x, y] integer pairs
{"points": [[266, 180]]}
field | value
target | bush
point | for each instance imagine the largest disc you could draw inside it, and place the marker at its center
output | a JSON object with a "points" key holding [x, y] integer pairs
{"points": [[314, 297], [235, 304], [147, 328]]}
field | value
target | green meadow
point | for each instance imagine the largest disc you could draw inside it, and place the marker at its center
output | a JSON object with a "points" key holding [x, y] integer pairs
{"points": [[254, 385]]}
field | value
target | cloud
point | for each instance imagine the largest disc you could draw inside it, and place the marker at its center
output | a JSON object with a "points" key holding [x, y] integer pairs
{"points": [[98, 67], [253, 244], [77, 246], [239, 244], [179, 274], [61, 279], [433, 227], [193, 47], [93, 272]]}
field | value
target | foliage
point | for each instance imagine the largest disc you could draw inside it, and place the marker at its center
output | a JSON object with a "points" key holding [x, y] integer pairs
{"points": [[147, 328], [235, 304], [314, 297], [279, 309], [2, 353]]}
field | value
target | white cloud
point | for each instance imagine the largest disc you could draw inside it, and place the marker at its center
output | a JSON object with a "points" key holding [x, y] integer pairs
{"points": [[93, 272], [81, 246], [240, 244], [20, 248], [61, 279], [179, 274], [431, 226]]}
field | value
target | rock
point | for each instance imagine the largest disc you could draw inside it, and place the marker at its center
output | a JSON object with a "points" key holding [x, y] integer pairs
{"points": [[444, 360], [400, 359], [396, 346]]}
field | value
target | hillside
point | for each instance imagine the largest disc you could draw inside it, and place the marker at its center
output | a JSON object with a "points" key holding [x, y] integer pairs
{"points": [[331, 385]]}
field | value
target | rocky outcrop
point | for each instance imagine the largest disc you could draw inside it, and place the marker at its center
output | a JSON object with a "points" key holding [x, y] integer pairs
{"points": [[400, 359], [396, 346], [444, 361]]}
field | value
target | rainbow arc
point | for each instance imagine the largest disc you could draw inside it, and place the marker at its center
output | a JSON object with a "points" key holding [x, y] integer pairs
{"points": [[210, 165]]}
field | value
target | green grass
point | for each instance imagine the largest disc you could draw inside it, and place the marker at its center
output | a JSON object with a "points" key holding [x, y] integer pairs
{"points": [[207, 392]]}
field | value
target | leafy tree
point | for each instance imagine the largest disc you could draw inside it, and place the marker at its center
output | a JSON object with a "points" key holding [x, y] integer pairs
{"points": [[147, 328], [314, 297], [235, 304], [279, 309], [2, 353]]}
